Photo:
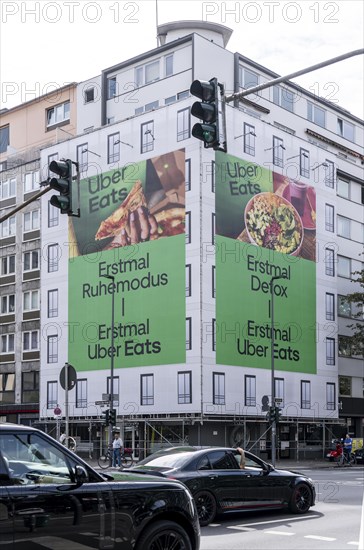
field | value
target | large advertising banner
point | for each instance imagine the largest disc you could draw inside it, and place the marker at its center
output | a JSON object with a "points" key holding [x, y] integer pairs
{"points": [[265, 245], [129, 247]]}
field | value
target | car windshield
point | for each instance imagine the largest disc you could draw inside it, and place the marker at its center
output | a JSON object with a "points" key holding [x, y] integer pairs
{"points": [[168, 461]]}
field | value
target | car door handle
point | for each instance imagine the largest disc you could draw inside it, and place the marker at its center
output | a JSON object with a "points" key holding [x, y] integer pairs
{"points": [[213, 477]]}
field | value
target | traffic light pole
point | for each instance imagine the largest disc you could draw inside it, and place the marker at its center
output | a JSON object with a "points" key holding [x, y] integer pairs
{"points": [[111, 388]]}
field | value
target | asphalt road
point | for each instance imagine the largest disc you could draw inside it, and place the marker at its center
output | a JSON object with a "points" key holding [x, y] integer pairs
{"points": [[334, 523]]}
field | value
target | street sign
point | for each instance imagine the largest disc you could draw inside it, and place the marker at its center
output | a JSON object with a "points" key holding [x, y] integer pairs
{"points": [[107, 397], [72, 377], [101, 402], [57, 411]]}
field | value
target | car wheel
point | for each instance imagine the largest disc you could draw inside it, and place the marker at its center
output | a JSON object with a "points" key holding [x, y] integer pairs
{"points": [[301, 499], [206, 507], [164, 534]]}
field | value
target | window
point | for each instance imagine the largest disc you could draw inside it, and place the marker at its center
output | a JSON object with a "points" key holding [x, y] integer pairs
{"points": [[147, 136], [115, 389], [278, 149], [343, 188], [52, 395], [213, 334], [7, 265], [7, 227], [82, 156], [344, 307], [81, 393], [7, 388], [247, 78], [330, 306], [4, 138], [188, 174], [31, 300], [283, 97], [345, 386], [53, 258], [316, 114], [31, 340], [31, 260], [113, 148], [52, 303], [31, 221], [30, 387], [346, 129], [344, 346], [111, 87], [7, 343], [147, 389], [343, 227], [89, 95], [7, 304], [330, 351], [329, 174], [53, 215], [214, 281], [250, 391], [59, 113], [8, 189], [184, 387], [183, 95], [218, 388], [344, 267], [188, 280], [249, 139], [212, 176], [145, 74], [170, 99], [279, 391], [304, 163], [305, 394], [330, 396], [188, 227], [329, 262], [183, 124], [151, 106], [168, 65], [329, 218], [188, 333], [52, 348]]}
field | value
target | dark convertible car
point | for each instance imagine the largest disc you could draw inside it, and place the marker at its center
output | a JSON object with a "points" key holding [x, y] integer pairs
{"points": [[50, 498], [219, 485]]}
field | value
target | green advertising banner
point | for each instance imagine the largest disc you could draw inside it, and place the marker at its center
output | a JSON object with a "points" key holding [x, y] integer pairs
{"points": [[265, 247], [129, 247]]}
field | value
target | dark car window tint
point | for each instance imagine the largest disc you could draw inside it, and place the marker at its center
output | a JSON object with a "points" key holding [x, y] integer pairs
{"points": [[204, 464], [220, 460]]}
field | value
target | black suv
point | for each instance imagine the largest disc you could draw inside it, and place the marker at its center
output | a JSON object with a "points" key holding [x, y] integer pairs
{"points": [[50, 498]]}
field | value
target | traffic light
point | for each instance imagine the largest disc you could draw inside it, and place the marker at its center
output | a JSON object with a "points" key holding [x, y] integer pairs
{"points": [[211, 110], [107, 417], [112, 420], [278, 415], [63, 184], [272, 415]]}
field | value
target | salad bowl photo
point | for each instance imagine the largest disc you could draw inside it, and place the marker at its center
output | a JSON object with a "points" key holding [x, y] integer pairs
{"points": [[271, 221]]}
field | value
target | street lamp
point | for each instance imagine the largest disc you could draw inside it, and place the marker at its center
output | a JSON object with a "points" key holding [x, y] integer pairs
{"points": [[111, 395]]}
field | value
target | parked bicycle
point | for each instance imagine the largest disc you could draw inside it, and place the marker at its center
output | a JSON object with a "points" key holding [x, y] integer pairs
{"points": [[127, 459]]}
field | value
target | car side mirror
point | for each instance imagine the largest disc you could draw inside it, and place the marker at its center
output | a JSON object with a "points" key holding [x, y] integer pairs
{"points": [[81, 475]]}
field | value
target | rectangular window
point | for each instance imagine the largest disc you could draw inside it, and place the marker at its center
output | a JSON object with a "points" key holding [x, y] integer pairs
{"points": [[31, 300], [89, 95], [329, 174], [330, 396], [115, 389], [31, 221], [278, 149], [247, 78], [218, 388], [343, 188], [52, 395], [30, 387], [283, 97], [52, 303], [249, 139], [147, 137], [146, 74], [82, 156], [151, 106], [7, 265], [170, 99], [8, 189], [53, 258], [52, 348], [31, 260], [329, 262], [31, 340], [329, 218], [59, 113], [188, 227], [184, 387], [81, 393], [304, 163], [212, 176], [344, 267], [214, 281], [188, 280], [188, 174], [4, 138], [7, 227], [316, 115], [330, 306], [183, 124], [183, 95], [147, 389], [7, 343], [344, 307], [111, 87], [113, 148], [346, 129], [53, 215], [188, 333], [345, 386], [344, 346], [305, 394], [344, 227], [279, 391], [168, 65], [213, 334], [7, 388], [7, 304], [249, 391], [330, 351]]}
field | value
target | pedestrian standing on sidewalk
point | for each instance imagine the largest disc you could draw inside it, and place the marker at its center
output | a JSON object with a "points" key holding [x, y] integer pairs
{"points": [[117, 446], [348, 445]]}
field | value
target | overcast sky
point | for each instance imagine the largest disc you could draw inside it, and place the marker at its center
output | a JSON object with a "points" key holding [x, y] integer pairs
{"points": [[54, 42]]}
